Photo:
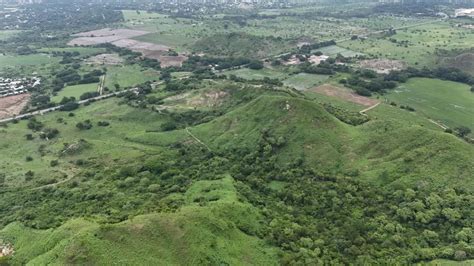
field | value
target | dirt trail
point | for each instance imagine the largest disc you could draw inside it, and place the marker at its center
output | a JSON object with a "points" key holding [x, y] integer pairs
{"points": [[198, 140], [438, 124], [363, 112]]}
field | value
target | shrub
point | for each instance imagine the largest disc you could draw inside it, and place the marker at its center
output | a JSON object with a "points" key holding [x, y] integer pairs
{"points": [[103, 123], [54, 163], [69, 106], [29, 158]]}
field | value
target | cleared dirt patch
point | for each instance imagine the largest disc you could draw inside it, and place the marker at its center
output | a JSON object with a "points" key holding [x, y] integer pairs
{"points": [[382, 66], [105, 59], [344, 94], [122, 38], [464, 62], [12, 105]]}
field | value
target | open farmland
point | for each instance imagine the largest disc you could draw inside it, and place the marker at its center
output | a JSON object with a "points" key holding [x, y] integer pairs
{"points": [[304, 81], [75, 91], [127, 76], [334, 50], [446, 102], [247, 73], [122, 38], [416, 46], [11, 61], [6, 34]]}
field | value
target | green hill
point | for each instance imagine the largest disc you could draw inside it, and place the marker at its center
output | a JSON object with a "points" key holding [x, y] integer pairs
{"points": [[379, 151], [275, 180], [207, 230]]}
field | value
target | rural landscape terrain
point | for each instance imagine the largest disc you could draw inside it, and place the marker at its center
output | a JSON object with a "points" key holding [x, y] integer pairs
{"points": [[253, 132]]}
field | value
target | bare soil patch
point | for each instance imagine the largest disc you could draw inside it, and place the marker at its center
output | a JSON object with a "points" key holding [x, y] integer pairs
{"points": [[105, 59], [383, 66], [12, 105], [464, 62], [344, 94], [122, 38]]}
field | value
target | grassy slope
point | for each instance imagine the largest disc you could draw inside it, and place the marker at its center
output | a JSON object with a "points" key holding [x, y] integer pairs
{"points": [[408, 154], [209, 228], [128, 75], [208, 232], [449, 102], [75, 91]]}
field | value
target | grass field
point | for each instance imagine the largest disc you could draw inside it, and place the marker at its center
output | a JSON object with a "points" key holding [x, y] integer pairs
{"points": [[5, 34], [448, 102], [26, 60], [333, 50], [303, 81], [84, 51], [421, 43], [247, 73], [128, 75], [75, 91]]}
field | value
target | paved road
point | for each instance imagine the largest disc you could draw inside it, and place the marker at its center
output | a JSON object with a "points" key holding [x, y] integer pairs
{"points": [[98, 98]]}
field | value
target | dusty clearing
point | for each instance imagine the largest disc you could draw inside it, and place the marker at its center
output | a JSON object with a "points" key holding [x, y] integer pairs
{"points": [[12, 105], [344, 94], [104, 36], [105, 59], [383, 66], [122, 38]]}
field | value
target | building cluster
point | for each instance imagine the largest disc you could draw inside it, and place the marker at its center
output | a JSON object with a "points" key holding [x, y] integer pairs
{"points": [[9, 86]]}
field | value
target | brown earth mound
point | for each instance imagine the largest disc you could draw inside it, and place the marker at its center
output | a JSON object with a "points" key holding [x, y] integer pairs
{"points": [[382, 66], [12, 105], [344, 94]]}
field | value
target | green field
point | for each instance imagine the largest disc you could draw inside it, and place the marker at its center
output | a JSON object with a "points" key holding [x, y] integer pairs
{"points": [[12, 61], [303, 81], [84, 51], [5, 34], [334, 50], [128, 75], [75, 91], [247, 73], [448, 102], [421, 43]]}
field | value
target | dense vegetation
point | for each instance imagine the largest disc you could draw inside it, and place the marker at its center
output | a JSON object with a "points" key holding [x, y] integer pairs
{"points": [[238, 156]]}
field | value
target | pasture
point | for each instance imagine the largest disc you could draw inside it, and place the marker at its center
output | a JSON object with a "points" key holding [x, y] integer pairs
{"points": [[334, 50], [75, 91], [247, 73], [416, 46], [128, 75], [447, 102], [12, 61], [304, 81], [6, 34]]}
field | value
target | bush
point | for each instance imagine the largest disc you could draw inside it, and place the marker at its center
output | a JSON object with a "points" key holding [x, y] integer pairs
{"points": [[88, 95], [363, 92], [169, 126], [255, 64], [86, 125], [69, 106], [29, 158], [54, 163], [103, 123]]}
